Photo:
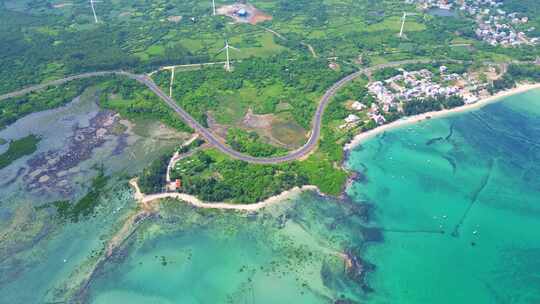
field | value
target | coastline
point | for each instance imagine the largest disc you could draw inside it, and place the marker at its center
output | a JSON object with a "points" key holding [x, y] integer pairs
{"points": [[361, 137], [149, 204], [147, 201]]}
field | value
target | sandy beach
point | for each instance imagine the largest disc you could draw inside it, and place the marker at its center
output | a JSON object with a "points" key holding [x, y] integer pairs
{"points": [[358, 139], [147, 200]]}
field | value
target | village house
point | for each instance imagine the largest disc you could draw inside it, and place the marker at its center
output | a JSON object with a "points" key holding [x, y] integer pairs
{"points": [[358, 106]]}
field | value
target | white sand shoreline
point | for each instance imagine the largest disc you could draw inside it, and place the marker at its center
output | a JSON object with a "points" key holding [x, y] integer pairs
{"points": [[359, 138], [147, 200]]}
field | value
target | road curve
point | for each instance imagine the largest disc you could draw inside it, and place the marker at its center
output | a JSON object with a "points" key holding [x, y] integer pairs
{"points": [[214, 140]]}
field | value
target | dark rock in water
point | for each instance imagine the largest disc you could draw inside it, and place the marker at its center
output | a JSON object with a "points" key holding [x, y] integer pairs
{"points": [[450, 133], [51, 171], [139, 218], [345, 301], [357, 269], [346, 200], [13, 179], [358, 209], [281, 221], [252, 216], [346, 155], [350, 210], [121, 144], [433, 140], [361, 178], [372, 235], [436, 139], [452, 163]]}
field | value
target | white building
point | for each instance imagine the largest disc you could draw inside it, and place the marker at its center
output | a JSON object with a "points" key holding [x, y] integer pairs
{"points": [[352, 118], [358, 106]]}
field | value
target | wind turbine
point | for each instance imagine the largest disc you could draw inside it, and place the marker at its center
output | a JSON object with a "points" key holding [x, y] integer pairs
{"points": [[226, 49], [403, 22], [93, 9], [172, 82]]}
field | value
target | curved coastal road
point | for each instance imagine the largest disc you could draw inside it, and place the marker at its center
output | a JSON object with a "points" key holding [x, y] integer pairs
{"points": [[214, 140]]}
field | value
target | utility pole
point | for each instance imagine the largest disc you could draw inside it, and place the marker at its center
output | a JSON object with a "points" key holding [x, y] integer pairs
{"points": [[93, 10], [402, 24], [214, 6], [172, 81], [228, 64]]}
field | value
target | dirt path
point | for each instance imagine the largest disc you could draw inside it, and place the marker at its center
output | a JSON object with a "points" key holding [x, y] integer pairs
{"points": [[311, 49], [309, 46]]}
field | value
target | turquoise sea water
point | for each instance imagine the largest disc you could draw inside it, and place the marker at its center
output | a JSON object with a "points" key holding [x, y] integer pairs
{"points": [[445, 211], [476, 178], [456, 202], [284, 255]]}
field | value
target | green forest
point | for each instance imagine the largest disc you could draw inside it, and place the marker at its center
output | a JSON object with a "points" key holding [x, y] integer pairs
{"points": [[216, 178], [19, 148], [15, 108], [44, 40], [261, 84], [280, 71]]}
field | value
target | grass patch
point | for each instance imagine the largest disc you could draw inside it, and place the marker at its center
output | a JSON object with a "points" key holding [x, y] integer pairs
{"points": [[155, 50], [288, 132], [231, 110], [134, 102], [251, 144], [324, 173], [19, 148], [86, 205]]}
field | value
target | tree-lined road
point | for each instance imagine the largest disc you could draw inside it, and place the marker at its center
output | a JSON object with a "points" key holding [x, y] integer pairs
{"points": [[213, 139]]}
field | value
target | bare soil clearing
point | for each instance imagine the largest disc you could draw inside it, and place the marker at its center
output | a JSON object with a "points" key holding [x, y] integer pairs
{"points": [[252, 14], [257, 121]]}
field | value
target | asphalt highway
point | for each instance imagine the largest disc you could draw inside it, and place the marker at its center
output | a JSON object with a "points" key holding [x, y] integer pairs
{"points": [[215, 140]]}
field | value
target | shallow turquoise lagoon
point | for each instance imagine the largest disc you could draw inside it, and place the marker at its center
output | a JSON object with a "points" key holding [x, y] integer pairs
{"points": [[286, 254], [458, 200], [454, 217]]}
